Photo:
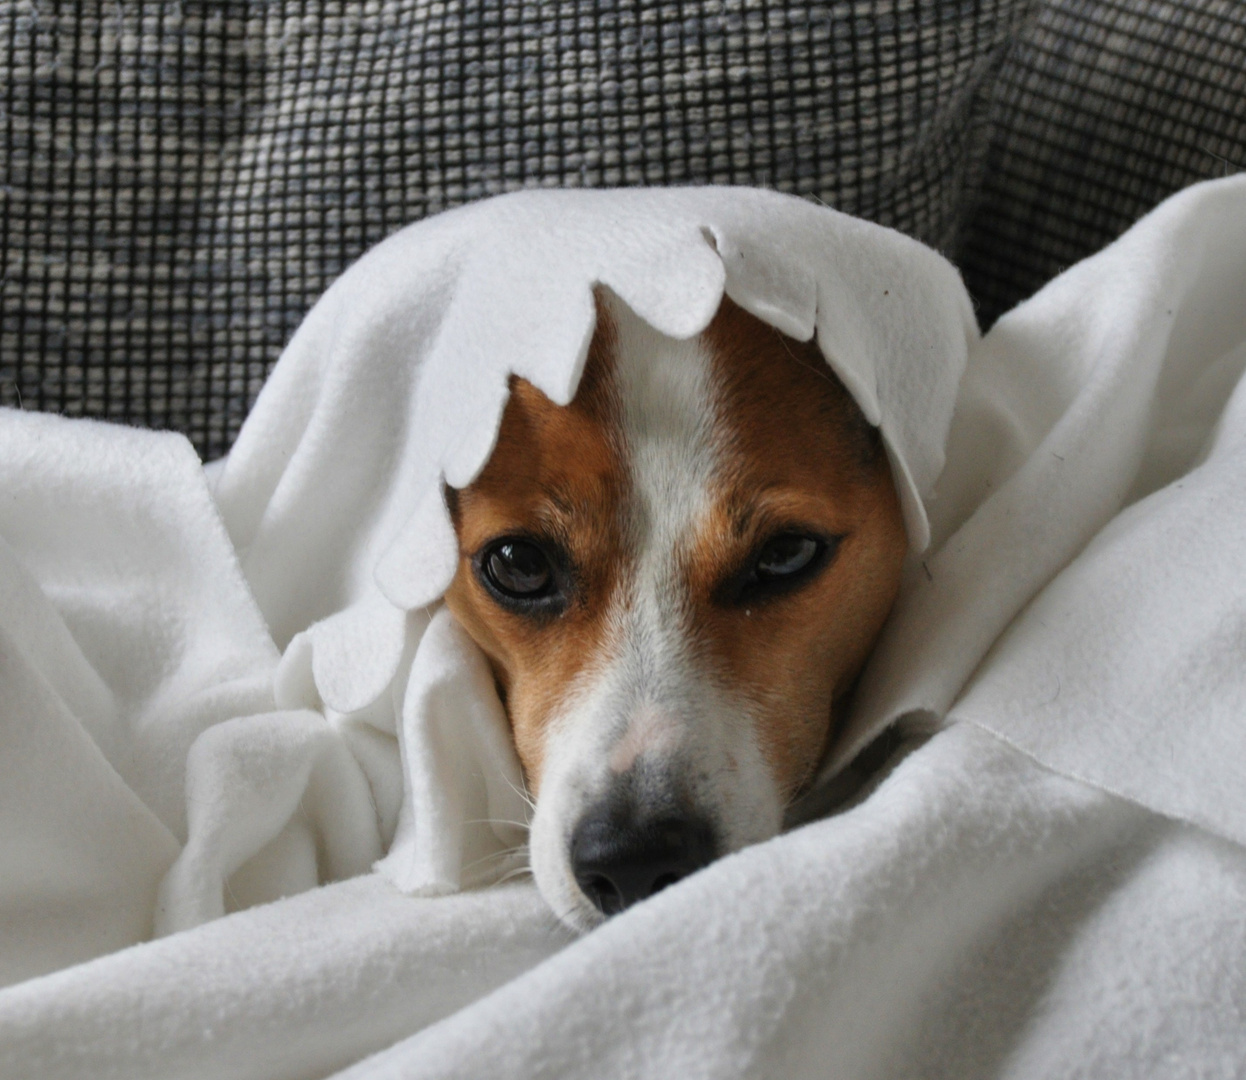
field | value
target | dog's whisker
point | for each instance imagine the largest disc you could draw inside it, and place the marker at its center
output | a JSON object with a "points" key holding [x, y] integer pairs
{"points": [[511, 852], [482, 859], [498, 821], [523, 792]]}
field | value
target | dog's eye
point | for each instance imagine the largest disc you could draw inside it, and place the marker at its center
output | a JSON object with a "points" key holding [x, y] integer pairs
{"points": [[787, 555], [518, 569], [783, 564]]}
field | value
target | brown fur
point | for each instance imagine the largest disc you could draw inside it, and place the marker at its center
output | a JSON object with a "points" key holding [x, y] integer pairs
{"points": [[798, 456]]}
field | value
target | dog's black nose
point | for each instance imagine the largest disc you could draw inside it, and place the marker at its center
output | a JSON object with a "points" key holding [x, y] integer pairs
{"points": [[618, 860]]}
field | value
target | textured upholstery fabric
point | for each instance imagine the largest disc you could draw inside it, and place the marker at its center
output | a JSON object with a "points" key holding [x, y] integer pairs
{"points": [[180, 180], [1102, 110], [184, 179]]}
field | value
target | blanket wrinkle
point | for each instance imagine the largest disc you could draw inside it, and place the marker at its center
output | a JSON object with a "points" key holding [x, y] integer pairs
{"points": [[250, 781], [286, 991], [370, 733], [68, 891], [127, 631], [49, 648], [132, 642], [117, 530], [356, 653], [1086, 646]]}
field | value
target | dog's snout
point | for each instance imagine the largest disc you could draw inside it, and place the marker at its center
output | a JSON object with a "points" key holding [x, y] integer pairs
{"points": [[618, 860]]}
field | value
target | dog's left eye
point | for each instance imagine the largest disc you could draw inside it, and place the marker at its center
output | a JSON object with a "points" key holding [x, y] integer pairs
{"points": [[786, 555], [517, 569], [784, 563]]}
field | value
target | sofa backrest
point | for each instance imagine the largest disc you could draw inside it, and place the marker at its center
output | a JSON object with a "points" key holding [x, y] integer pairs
{"points": [[181, 180]]}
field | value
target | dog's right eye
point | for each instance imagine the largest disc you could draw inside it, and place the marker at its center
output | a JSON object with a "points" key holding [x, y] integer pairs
{"points": [[518, 570]]}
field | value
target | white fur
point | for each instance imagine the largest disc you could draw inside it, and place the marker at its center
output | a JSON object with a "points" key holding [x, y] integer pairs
{"points": [[647, 693]]}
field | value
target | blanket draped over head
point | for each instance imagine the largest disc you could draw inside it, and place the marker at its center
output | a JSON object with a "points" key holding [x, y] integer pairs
{"points": [[397, 379], [223, 691], [396, 382]]}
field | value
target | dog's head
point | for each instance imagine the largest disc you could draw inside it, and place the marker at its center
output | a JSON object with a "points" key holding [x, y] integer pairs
{"points": [[676, 579]]}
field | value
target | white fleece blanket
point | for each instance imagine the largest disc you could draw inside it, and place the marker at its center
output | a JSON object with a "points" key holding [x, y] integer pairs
{"points": [[206, 708]]}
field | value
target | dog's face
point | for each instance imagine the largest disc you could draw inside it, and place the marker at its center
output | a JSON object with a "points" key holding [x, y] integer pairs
{"points": [[676, 579]]}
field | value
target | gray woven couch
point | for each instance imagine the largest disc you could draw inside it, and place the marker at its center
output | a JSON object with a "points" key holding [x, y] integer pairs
{"points": [[182, 179]]}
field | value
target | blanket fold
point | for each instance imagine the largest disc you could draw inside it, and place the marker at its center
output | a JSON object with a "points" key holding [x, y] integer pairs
{"points": [[126, 630]]}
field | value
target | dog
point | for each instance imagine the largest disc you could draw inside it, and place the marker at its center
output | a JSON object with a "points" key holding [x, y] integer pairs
{"points": [[676, 580]]}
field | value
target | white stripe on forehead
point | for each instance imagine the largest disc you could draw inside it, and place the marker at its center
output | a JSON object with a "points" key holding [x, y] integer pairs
{"points": [[668, 418], [668, 412]]}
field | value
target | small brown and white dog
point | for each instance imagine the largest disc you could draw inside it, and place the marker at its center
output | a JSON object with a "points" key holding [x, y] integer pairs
{"points": [[676, 579]]}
